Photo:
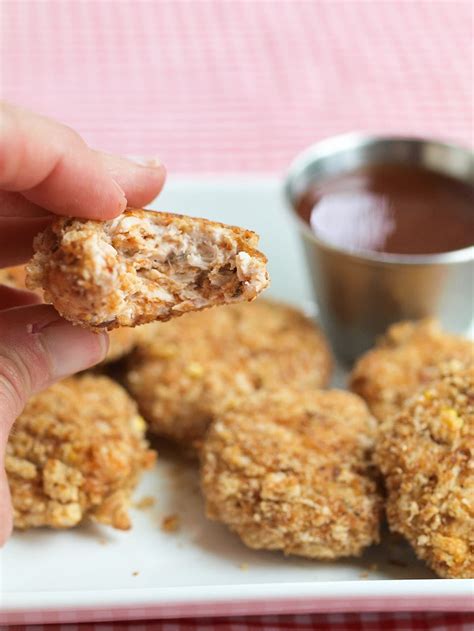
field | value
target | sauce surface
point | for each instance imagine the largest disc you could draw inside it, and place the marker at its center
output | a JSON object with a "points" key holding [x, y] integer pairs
{"points": [[391, 208]]}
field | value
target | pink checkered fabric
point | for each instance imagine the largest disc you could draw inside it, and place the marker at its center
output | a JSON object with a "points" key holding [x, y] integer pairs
{"points": [[329, 622], [237, 86], [216, 86]]}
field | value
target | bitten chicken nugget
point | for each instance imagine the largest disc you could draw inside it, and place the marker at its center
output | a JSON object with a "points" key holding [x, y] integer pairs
{"points": [[143, 266], [199, 363], [76, 452], [289, 470], [407, 357], [121, 341], [426, 454]]}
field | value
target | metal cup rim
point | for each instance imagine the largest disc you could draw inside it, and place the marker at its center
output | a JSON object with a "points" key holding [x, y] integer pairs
{"points": [[326, 148]]}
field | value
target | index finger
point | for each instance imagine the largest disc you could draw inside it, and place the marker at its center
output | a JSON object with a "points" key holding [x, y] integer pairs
{"points": [[51, 165]]}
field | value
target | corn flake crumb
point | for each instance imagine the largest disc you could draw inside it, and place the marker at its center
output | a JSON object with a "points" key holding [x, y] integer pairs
{"points": [[451, 419], [194, 370]]}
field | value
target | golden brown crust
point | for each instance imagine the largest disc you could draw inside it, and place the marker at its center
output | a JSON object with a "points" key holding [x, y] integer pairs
{"points": [[76, 452], [197, 364], [407, 357], [143, 266], [289, 470], [426, 454]]}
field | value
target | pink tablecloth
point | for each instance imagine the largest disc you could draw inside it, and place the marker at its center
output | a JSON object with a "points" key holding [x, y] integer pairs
{"points": [[330, 622], [220, 86]]}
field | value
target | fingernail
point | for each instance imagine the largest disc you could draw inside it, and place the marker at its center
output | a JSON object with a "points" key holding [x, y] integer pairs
{"points": [[150, 163], [72, 348], [123, 200]]}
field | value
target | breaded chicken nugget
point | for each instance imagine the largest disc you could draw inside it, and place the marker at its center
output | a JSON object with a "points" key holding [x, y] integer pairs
{"points": [[426, 454], [197, 364], [289, 470], [143, 266], [121, 341], [76, 452], [407, 357]]}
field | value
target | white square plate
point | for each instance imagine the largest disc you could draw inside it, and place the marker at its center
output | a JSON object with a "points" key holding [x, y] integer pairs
{"points": [[95, 573]]}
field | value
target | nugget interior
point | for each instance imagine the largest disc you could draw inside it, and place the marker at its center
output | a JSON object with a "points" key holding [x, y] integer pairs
{"points": [[426, 454], [405, 358], [76, 452], [198, 364], [144, 266], [289, 470]]}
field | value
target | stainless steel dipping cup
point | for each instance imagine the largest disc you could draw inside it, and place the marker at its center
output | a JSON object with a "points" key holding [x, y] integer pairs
{"points": [[360, 294]]}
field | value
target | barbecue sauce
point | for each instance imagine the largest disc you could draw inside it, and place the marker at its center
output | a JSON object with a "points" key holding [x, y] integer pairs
{"points": [[392, 208]]}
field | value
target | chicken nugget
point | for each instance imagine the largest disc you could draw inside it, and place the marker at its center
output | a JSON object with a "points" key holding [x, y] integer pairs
{"points": [[76, 452], [121, 341], [289, 470], [143, 266], [407, 357], [199, 363], [426, 454]]}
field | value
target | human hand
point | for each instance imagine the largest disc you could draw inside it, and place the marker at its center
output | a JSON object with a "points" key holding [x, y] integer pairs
{"points": [[47, 169]]}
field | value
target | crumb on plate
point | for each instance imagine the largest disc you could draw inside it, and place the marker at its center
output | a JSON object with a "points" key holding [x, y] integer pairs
{"points": [[145, 502], [170, 523]]}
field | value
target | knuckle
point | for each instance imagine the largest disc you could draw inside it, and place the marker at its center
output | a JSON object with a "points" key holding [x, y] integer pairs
{"points": [[24, 370]]}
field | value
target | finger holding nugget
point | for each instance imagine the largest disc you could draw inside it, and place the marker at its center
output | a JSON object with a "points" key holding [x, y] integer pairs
{"points": [[46, 169]]}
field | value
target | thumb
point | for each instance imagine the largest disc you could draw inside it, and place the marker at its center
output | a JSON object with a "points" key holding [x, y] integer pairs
{"points": [[37, 347]]}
